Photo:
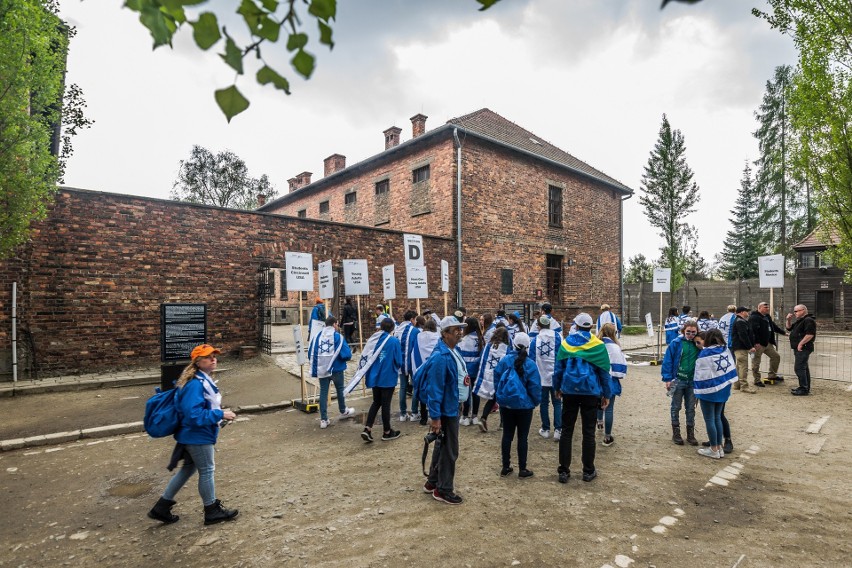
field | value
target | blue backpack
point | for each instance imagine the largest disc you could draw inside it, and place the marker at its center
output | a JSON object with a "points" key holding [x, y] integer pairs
{"points": [[162, 417]]}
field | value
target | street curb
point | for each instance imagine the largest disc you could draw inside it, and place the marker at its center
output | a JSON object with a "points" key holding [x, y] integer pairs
{"points": [[115, 429]]}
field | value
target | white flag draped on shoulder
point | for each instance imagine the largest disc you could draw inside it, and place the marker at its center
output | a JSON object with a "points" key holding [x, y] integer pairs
{"points": [[324, 352], [715, 369], [368, 357]]}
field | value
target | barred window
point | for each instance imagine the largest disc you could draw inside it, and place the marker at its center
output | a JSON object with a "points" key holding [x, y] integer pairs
{"points": [[420, 174], [554, 206], [382, 187], [350, 198], [554, 277], [324, 207]]}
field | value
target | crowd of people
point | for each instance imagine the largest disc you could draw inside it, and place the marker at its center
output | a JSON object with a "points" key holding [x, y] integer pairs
{"points": [[460, 370]]}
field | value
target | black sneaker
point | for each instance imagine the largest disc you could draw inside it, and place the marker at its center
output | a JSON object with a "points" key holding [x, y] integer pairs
{"points": [[449, 498], [525, 473], [506, 471], [759, 383], [423, 420], [799, 392], [590, 476], [428, 487], [706, 444], [392, 435], [367, 435], [728, 447], [563, 476]]}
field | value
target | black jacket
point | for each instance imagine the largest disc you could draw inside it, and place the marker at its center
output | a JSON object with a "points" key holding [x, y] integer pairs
{"points": [[350, 314], [801, 327], [763, 328], [742, 337]]}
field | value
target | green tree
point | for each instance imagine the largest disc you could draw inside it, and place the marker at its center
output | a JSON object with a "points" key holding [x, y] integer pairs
{"points": [[668, 195], [783, 200], [743, 243], [821, 107], [33, 50], [221, 179], [638, 269]]}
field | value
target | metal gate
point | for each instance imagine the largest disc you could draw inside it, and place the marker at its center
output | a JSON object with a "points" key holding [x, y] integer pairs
{"points": [[265, 293]]}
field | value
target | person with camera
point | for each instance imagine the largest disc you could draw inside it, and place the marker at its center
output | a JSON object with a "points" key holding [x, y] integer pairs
{"points": [[518, 389], [446, 384]]}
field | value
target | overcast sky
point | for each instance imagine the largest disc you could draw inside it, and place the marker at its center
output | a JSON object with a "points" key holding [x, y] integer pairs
{"points": [[592, 77]]}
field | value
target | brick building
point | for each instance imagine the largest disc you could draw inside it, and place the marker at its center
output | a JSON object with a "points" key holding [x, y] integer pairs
{"points": [[537, 224]]}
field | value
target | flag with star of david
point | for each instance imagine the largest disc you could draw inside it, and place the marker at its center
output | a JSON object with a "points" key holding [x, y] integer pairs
{"points": [[715, 370], [324, 350], [368, 356]]}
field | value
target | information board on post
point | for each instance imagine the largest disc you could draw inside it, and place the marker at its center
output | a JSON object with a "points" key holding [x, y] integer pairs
{"points": [[301, 354], [355, 278], [649, 324], [326, 280], [445, 276], [413, 250], [182, 328], [662, 279], [389, 282], [300, 271], [415, 277], [771, 271]]}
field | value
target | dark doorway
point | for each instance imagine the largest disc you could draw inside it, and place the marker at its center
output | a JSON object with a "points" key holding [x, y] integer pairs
{"points": [[825, 304]]}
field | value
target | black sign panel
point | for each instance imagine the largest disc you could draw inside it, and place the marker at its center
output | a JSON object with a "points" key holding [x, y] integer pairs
{"points": [[182, 327]]}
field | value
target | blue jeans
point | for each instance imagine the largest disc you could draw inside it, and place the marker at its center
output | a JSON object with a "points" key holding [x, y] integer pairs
{"points": [[712, 412], [606, 416], [683, 395], [202, 460], [404, 380], [325, 386], [548, 394]]}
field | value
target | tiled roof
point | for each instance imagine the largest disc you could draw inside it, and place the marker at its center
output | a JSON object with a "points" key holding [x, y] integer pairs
{"points": [[491, 125], [816, 239]]}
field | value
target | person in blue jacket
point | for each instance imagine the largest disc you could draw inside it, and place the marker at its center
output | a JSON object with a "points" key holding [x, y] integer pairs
{"points": [[318, 313], [677, 372], [672, 326], [715, 372], [518, 389], [329, 354], [200, 405], [446, 384], [581, 379], [382, 377]]}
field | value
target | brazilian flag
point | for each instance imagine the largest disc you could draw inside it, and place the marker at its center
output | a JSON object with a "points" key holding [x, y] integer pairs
{"points": [[584, 345]]}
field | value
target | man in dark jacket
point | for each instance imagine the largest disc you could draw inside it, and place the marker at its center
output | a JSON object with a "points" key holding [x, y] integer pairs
{"points": [[764, 330], [802, 335], [742, 343]]}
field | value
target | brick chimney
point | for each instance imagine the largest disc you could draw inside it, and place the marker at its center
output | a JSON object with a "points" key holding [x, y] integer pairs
{"points": [[293, 184], [334, 163], [392, 137], [261, 199], [418, 125], [300, 181]]}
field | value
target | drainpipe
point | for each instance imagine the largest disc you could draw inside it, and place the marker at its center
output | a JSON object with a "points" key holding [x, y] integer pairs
{"points": [[14, 332], [458, 217], [621, 259]]}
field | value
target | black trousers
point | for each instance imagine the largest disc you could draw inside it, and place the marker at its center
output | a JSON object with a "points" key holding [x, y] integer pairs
{"points": [[442, 472], [800, 366], [520, 420], [587, 408], [382, 397]]}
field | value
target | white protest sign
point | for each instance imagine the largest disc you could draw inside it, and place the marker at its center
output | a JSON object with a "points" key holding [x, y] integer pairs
{"points": [[662, 279], [445, 276], [413, 250], [326, 280], [300, 271], [649, 324], [389, 282], [355, 277], [301, 355], [771, 271], [416, 279]]}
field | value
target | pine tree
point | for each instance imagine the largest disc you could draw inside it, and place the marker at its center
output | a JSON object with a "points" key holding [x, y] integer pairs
{"points": [[744, 243], [783, 196], [669, 195]]}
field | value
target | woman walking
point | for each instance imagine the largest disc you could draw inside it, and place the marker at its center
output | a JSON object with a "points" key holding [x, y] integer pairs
{"points": [[200, 404], [617, 371], [715, 372], [518, 392], [382, 377], [494, 351]]}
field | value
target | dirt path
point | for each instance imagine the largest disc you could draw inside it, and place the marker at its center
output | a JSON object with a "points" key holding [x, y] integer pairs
{"points": [[311, 497]]}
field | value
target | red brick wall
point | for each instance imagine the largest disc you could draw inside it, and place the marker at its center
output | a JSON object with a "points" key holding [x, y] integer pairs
{"points": [[96, 271]]}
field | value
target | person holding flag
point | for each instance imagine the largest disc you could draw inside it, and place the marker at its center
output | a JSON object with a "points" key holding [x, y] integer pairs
{"points": [[329, 354], [715, 372], [581, 380]]}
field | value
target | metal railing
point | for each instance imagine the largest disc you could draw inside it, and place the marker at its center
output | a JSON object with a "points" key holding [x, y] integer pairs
{"points": [[831, 359]]}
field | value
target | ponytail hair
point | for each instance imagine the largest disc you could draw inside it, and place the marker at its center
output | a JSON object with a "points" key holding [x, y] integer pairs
{"points": [[522, 358]]}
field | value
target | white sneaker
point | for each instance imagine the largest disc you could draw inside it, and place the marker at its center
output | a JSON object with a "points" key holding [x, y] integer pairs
{"points": [[474, 420], [707, 452], [557, 434], [544, 433], [403, 417], [323, 424], [414, 417], [465, 421], [348, 413]]}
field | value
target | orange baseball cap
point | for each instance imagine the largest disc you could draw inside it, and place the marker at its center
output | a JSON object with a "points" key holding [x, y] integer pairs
{"points": [[203, 351], [319, 301]]}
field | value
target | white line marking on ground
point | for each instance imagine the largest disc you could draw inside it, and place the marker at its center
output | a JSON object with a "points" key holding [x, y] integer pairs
{"points": [[56, 449], [732, 470], [815, 448], [719, 481], [679, 512], [742, 557], [849, 388], [817, 425], [623, 561], [659, 529], [668, 521]]}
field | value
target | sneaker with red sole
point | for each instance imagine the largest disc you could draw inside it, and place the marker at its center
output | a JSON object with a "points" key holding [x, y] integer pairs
{"points": [[428, 488], [449, 497]]}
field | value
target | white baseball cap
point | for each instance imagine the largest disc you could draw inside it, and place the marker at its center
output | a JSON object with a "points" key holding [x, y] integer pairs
{"points": [[451, 321]]}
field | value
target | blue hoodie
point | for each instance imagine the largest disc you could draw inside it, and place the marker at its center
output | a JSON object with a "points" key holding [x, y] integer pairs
{"points": [[512, 390], [199, 423], [384, 372]]}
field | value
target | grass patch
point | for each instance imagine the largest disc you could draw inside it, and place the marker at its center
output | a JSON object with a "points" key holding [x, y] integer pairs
{"points": [[634, 330]]}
